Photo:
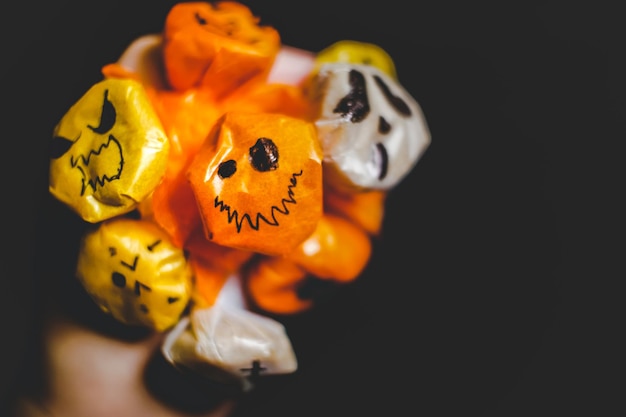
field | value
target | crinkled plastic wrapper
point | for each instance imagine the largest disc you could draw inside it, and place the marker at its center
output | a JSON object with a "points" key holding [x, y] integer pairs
{"points": [[225, 175], [230, 345]]}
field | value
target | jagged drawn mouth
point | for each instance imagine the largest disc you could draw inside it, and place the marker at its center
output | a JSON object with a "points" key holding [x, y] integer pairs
{"points": [[111, 150], [254, 220]]}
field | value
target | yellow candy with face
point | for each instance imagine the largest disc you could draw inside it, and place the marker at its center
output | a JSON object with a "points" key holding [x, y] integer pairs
{"points": [[132, 271], [354, 52], [109, 151]]}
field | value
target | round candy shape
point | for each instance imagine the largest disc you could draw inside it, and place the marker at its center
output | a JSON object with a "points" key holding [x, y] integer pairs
{"points": [[337, 250], [108, 152], [258, 182], [272, 285], [133, 271]]}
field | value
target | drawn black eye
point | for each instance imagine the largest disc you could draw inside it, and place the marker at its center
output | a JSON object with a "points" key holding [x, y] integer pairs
{"points": [[118, 279], [383, 126], [107, 116], [154, 245], [395, 101], [355, 105], [201, 20], [227, 169], [59, 146], [264, 155]]}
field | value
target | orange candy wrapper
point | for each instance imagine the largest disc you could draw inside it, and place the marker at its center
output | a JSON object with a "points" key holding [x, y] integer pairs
{"points": [[218, 45], [253, 166], [258, 182]]}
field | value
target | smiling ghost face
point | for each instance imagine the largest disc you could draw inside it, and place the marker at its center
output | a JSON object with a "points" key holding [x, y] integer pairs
{"points": [[258, 182], [371, 130], [132, 271], [108, 151]]}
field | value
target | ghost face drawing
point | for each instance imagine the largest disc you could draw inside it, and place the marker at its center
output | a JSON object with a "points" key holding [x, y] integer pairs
{"points": [[371, 130], [258, 182], [108, 152], [133, 271]]}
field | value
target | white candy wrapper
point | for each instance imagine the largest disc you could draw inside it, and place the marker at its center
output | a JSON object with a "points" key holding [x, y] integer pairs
{"points": [[372, 130], [143, 57], [229, 343]]}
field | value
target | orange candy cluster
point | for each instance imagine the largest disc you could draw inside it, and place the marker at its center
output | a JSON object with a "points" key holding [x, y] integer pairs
{"points": [[242, 189]]}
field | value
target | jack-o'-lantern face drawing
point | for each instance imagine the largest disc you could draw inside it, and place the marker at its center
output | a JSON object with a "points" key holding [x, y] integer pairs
{"points": [[258, 182], [219, 44], [133, 271], [108, 152], [371, 130]]}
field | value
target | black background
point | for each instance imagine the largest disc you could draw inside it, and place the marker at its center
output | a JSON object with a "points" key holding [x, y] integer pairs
{"points": [[493, 287]]}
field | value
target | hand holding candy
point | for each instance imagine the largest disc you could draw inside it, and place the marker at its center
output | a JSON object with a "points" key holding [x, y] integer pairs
{"points": [[236, 174]]}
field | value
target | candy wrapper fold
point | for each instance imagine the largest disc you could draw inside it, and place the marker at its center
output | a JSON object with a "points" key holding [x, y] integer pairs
{"points": [[371, 130], [108, 152], [134, 272], [257, 170], [224, 343]]}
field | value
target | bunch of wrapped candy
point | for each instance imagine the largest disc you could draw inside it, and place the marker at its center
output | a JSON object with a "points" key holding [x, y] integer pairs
{"points": [[222, 181]]}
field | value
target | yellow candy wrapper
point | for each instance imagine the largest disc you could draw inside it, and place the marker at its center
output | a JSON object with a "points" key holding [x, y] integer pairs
{"points": [[133, 271], [108, 152], [251, 170]]}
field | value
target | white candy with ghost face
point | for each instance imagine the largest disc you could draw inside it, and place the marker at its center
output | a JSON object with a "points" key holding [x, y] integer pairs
{"points": [[372, 131]]}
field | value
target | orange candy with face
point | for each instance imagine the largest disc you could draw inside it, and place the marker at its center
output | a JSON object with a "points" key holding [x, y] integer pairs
{"points": [[238, 184], [258, 182], [220, 45], [252, 189]]}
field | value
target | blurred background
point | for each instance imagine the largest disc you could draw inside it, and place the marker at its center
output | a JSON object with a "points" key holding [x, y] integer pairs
{"points": [[492, 290]]}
